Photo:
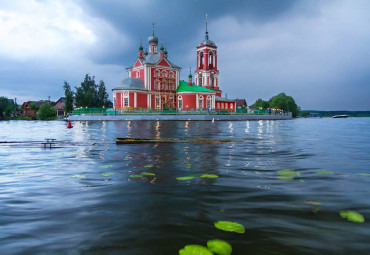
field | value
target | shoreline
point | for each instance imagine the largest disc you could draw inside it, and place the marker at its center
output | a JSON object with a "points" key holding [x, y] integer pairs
{"points": [[178, 117]]}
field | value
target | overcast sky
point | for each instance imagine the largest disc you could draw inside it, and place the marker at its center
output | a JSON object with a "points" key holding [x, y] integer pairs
{"points": [[317, 51]]}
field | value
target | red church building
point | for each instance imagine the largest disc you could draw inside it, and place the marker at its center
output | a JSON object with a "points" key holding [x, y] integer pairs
{"points": [[154, 82]]}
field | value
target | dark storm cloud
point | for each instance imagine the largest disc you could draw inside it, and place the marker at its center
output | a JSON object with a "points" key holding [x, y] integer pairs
{"points": [[177, 22]]}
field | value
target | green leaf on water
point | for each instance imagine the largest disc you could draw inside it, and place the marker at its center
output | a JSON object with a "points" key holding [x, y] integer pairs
{"points": [[288, 172], [136, 175], [146, 173], [352, 216], [78, 176], [285, 178], [363, 174], [219, 247], [150, 165], [324, 172], [185, 178], [195, 249], [107, 174], [230, 226], [209, 176]]}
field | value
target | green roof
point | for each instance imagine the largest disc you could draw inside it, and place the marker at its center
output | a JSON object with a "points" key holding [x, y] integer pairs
{"points": [[183, 87]]}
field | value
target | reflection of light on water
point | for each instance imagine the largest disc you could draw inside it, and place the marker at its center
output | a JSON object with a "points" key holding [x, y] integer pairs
{"points": [[128, 126], [158, 133], [186, 127], [247, 127], [231, 129], [260, 128]]}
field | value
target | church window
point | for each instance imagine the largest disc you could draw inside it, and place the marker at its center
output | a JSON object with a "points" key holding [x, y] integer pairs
{"points": [[210, 59], [172, 86], [208, 102], [218, 105], [157, 101], [125, 102], [222, 105], [172, 75], [200, 79], [201, 101], [226, 106], [201, 59], [156, 73], [180, 105], [212, 79], [137, 74]]}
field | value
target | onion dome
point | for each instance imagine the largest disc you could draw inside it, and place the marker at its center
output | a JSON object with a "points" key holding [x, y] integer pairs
{"points": [[146, 52], [141, 47], [153, 39], [162, 48], [190, 76]]}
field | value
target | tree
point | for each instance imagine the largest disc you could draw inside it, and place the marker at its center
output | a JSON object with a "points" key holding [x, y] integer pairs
{"points": [[284, 102], [33, 106], [87, 94], [261, 104], [46, 112], [102, 95], [3, 105], [68, 94]]}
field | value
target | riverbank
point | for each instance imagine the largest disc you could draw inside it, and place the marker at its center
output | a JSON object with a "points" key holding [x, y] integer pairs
{"points": [[179, 117]]}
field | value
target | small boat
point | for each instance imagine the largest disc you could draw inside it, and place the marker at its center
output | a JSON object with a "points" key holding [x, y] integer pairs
{"points": [[341, 116]]}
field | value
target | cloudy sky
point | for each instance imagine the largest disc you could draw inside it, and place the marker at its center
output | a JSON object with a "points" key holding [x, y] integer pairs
{"points": [[317, 51]]}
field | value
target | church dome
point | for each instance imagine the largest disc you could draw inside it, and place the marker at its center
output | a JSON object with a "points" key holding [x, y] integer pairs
{"points": [[153, 39], [207, 42], [131, 83]]}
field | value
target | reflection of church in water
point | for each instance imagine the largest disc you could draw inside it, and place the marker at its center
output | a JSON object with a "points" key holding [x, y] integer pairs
{"points": [[154, 82]]}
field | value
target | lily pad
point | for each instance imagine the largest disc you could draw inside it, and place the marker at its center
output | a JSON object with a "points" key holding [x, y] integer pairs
{"points": [[219, 247], [150, 165], [107, 174], [285, 178], [363, 174], [230, 226], [288, 172], [146, 173], [78, 176], [185, 178], [352, 216], [209, 176], [324, 172], [195, 249], [136, 175], [106, 166]]}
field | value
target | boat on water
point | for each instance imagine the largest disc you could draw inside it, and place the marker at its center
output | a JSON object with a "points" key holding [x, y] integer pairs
{"points": [[341, 116]]}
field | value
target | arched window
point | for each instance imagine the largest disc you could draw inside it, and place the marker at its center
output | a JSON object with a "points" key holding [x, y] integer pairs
{"points": [[164, 73], [172, 75], [156, 84], [210, 59], [208, 102], [157, 101], [156, 73], [218, 105], [212, 79], [201, 60], [226, 105], [179, 103], [201, 102], [222, 105], [200, 79]]}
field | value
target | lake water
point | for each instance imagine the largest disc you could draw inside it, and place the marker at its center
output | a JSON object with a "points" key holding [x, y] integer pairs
{"points": [[87, 196]]}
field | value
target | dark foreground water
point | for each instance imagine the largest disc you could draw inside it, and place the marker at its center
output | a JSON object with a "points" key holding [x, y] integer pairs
{"points": [[87, 197]]}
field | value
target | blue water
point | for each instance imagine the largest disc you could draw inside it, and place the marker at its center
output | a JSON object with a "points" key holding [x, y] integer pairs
{"points": [[81, 197]]}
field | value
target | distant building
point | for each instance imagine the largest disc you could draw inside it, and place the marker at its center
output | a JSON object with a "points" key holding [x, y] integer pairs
{"points": [[241, 103], [28, 110], [59, 106], [154, 82]]}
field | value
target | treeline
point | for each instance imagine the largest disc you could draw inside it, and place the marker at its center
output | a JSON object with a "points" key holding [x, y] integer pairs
{"points": [[89, 94], [7, 107], [305, 113], [280, 101]]}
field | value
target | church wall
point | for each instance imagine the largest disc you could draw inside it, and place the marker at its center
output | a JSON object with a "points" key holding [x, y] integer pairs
{"points": [[142, 100]]}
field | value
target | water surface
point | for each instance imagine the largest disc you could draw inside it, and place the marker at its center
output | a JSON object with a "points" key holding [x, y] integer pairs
{"points": [[84, 198]]}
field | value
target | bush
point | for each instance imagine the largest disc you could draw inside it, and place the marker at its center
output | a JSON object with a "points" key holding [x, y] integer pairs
{"points": [[46, 112]]}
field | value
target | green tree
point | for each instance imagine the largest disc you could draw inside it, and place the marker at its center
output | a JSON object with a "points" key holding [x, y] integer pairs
{"points": [[87, 94], [103, 97], [284, 102], [46, 112], [261, 104], [68, 94], [3, 105], [33, 106]]}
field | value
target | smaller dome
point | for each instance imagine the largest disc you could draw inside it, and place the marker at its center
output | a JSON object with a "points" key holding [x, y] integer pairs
{"points": [[207, 42], [141, 48], [153, 39], [190, 76], [131, 83]]}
